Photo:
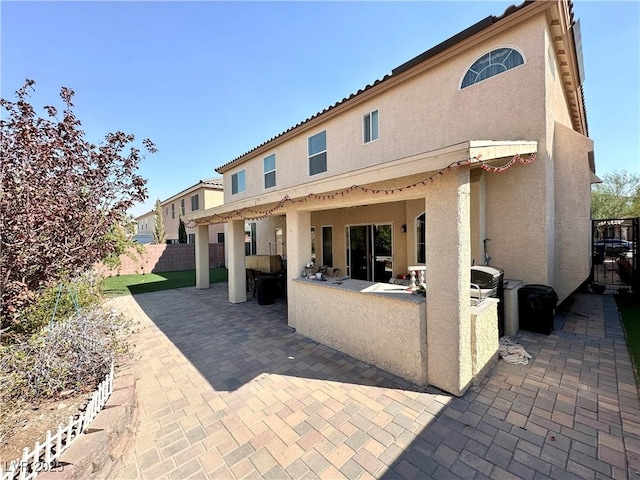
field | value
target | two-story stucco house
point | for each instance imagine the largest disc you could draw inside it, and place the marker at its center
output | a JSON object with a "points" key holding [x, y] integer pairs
{"points": [[205, 194], [145, 224], [483, 136]]}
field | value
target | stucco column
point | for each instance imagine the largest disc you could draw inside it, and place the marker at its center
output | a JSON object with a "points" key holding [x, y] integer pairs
{"points": [[236, 262], [298, 255], [202, 256], [448, 253]]}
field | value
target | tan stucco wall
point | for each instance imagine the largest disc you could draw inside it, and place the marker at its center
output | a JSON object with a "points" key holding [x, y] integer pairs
{"points": [[208, 198], [351, 322], [146, 223], [266, 234], [572, 209], [412, 119], [447, 275], [484, 335], [516, 221]]}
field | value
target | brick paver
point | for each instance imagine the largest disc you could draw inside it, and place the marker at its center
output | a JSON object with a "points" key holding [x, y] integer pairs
{"points": [[230, 391]]}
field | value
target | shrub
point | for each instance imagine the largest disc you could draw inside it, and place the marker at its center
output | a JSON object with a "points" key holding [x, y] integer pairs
{"points": [[73, 355], [57, 303]]}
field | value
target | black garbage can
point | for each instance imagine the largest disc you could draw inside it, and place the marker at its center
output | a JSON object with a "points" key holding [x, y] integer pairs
{"points": [[266, 290], [537, 308]]}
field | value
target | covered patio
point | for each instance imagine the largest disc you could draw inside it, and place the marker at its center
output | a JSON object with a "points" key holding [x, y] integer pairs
{"points": [[442, 341]]}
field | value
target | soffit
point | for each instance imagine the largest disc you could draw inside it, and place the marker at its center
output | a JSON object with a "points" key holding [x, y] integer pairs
{"points": [[561, 26]]}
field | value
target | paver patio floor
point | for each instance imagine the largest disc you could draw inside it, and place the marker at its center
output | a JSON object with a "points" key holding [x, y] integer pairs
{"points": [[230, 391]]}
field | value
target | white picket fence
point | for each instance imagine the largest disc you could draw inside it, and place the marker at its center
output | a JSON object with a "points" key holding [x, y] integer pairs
{"points": [[43, 456]]}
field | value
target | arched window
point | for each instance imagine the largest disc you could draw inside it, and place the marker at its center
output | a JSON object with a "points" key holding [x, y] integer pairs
{"points": [[492, 63], [421, 253]]}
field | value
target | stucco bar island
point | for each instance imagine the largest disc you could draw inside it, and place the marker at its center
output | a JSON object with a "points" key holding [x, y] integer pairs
{"points": [[345, 314]]}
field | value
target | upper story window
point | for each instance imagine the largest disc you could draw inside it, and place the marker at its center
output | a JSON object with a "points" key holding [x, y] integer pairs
{"points": [[492, 63], [270, 171], [370, 127], [237, 182], [318, 153], [195, 202], [173, 211], [182, 207]]}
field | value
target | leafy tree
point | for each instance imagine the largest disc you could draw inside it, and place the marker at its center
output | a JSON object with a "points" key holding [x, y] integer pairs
{"points": [[121, 244], [182, 232], [60, 197], [159, 231], [618, 196]]}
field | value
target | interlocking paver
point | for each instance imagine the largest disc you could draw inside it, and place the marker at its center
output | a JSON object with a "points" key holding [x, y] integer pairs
{"points": [[230, 391]]}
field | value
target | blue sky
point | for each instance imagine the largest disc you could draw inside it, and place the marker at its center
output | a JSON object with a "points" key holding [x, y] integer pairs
{"points": [[208, 81]]}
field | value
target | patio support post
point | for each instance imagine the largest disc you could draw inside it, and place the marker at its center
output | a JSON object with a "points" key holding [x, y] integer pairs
{"points": [[236, 260], [202, 257], [298, 254], [448, 262]]}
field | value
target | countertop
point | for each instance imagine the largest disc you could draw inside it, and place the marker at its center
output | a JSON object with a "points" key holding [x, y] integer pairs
{"points": [[385, 290]]}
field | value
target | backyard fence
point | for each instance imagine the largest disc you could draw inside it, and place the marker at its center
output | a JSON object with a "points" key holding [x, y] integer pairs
{"points": [[43, 456], [163, 258], [616, 248]]}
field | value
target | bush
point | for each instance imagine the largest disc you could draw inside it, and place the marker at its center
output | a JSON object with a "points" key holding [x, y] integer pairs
{"points": [[73, 355], [57, 303]]}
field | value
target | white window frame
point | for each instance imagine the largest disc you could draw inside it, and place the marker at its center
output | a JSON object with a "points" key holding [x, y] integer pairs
{"points": [[311, 156], [241, 175], [497, 47], [370, 130], [195, 197], [267, 172]]}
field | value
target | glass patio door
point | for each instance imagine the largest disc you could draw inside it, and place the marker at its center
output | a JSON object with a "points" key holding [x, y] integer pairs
{"points": [[370, 252]]}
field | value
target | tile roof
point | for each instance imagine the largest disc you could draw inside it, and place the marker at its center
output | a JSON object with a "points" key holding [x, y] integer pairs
{"points": [[215, 182]]}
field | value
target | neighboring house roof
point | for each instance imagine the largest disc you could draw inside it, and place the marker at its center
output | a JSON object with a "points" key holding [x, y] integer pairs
{"points": [[459, 37], [211, 183], [140, 217]]}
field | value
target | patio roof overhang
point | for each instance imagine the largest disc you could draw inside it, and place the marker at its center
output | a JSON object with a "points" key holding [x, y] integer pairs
{"points": [[474, 153]]}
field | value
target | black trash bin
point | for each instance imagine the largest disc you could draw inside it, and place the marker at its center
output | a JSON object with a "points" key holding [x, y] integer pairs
{"points": [[266, 290], [537, 308]]}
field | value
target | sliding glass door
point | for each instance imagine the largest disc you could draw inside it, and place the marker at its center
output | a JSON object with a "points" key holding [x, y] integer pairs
{"points": [[370, 252]]}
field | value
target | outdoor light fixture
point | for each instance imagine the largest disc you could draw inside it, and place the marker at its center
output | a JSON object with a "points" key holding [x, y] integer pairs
{"points": [[403, 228]]}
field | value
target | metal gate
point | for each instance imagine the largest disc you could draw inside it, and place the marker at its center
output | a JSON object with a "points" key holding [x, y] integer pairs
{"points": [[615, 252]]}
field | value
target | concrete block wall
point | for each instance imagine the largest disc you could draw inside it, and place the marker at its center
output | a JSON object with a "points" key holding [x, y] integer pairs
{"points": [[163, 258]]}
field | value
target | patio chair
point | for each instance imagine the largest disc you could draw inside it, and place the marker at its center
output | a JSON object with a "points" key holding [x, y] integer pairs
{"points": [[251, 279]]}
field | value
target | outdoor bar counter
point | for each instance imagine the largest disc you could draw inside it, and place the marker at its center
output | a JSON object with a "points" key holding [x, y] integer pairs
{"points": [[366, 320], [381, 324]]}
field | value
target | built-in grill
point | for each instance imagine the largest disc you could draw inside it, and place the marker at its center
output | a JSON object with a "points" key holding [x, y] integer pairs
{"points": [[489, 282]]}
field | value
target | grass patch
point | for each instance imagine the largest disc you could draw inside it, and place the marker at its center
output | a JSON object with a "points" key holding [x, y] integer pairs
{"points": [[153, 282], [629, 306]]}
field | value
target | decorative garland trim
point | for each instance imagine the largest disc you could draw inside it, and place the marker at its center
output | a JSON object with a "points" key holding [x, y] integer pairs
{"points": [[260, 214]]}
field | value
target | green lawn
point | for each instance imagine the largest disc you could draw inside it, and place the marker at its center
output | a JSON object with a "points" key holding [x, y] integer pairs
{"points": [[631, 319], [152, 282]]}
